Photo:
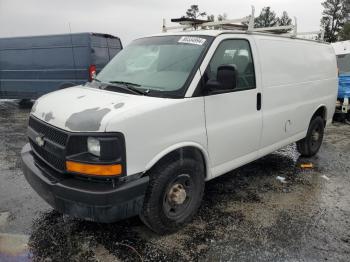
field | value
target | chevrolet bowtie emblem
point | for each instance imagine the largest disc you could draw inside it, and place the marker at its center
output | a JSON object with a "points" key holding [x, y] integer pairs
{"points": [[40, 140]]}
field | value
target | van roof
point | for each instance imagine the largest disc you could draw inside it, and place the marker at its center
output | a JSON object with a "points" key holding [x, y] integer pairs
{"points": [[57, 35], [52, 41], [218, 32]]}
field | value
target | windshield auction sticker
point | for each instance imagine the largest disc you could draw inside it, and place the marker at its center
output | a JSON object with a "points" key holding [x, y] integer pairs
{"points": [[192, 40]]}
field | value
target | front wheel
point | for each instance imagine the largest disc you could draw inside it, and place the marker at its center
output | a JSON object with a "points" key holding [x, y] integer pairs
{"points": [[174, 195], [310, 145]]}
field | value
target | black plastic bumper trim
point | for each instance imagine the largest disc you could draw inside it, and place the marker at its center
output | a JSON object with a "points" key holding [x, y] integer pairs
{"points": [[84, 199]]}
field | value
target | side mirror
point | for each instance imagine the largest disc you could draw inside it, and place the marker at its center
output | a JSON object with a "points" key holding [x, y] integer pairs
{"points": [[213, 86], [226, 80]]}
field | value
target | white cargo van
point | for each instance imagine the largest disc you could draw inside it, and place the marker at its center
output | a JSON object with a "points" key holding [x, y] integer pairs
{"points": [[172, 111]]}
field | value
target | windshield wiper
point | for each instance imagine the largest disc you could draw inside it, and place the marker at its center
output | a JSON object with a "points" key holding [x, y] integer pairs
{"points": [[131, 87], [124, 83]]}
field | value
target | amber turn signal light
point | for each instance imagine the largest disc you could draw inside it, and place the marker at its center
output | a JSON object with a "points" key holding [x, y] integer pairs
{"points": [[95, 170]]}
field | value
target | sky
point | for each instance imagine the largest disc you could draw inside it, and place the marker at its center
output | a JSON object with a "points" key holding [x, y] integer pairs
{"points": [[131, 19]]}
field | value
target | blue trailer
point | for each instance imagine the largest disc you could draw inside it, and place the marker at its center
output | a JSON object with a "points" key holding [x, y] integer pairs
{"points": [[36, 65], [342, 51]]}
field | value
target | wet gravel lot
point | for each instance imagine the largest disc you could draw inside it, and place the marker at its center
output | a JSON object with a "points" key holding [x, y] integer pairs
{"points": [[246, 215]]}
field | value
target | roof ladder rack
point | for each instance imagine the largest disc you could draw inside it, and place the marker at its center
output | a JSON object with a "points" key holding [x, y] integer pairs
{"points": [[194, 23], [246, 24], [272, 29], [320, 34]]}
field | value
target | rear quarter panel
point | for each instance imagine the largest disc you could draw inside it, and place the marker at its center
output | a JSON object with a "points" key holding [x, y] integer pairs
{"points": [[298, 77]]}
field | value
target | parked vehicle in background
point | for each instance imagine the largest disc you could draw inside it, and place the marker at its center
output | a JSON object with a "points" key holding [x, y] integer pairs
{"points": [[342, 51], [35, 65], [145, 135]]}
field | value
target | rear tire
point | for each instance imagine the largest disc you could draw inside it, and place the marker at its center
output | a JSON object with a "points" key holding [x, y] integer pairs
{"points": [[348, 116], [174, 195], [310, 145]]}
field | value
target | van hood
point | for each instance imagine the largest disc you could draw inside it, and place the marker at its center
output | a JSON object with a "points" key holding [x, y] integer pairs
{"points": [[85, 109]]}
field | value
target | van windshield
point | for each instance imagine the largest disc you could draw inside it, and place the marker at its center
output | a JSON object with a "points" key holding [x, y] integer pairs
{"points": [[344, 64], [159, 65]]}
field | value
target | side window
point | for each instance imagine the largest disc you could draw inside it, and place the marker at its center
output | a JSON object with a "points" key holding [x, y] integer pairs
{"points": [[237, 53]]}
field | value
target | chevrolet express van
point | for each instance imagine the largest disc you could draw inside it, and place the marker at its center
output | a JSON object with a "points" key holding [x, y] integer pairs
{"points": [[171, 112]]}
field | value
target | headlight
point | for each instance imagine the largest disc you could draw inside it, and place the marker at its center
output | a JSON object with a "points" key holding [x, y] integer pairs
{"points": [[97, 154], [94, 147]]}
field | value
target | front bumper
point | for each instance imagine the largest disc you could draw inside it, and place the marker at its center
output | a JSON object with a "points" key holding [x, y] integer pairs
{"points": [[81, 198]]}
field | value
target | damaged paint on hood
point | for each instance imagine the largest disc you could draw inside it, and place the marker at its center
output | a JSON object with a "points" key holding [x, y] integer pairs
{"points": [[87, 120], [85, 109]]}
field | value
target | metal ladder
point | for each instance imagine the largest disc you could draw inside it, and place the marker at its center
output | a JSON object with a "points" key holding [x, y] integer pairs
{"points": [[238, 24]]}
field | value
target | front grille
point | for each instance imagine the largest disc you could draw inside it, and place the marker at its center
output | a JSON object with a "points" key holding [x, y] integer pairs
{"points": [[49, 158], [49, 132]]}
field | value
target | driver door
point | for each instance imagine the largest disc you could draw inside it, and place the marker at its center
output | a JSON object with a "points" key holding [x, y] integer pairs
{"points": [[234, 117]]}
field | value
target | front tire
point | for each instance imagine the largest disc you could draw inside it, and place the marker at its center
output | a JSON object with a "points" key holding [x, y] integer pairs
{"points": [[310, 145], [174, 195]]}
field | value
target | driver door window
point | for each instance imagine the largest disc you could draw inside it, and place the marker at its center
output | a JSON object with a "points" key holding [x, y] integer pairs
{"points": [[236, 53]]}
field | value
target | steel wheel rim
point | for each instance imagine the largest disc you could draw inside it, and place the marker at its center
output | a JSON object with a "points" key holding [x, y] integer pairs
{"points": [[178, 196], [316, 136]]}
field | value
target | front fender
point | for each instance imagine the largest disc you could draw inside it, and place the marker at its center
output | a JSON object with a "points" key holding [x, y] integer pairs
{"points": [[174, 147]]}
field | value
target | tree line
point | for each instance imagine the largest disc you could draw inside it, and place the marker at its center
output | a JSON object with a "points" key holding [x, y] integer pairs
{"points": [[335, 19], [267, 17]]}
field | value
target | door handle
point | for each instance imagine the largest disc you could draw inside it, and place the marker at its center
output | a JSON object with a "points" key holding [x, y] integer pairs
{"points": [[258, 101]]}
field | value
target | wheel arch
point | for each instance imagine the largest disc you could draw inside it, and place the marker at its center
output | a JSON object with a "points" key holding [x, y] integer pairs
{"points": [[192, 149], [321, 111]]}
